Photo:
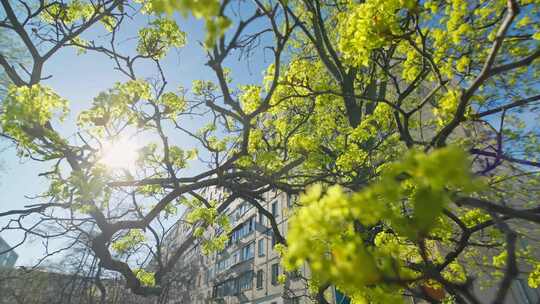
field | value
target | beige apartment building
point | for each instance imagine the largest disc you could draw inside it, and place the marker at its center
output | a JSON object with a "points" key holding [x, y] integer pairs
{"points": [[247, 270]]}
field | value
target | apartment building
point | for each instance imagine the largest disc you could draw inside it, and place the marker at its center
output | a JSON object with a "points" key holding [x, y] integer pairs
{"points": [[247, 270]]}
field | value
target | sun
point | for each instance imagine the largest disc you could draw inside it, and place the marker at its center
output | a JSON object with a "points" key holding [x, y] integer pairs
{"points": [[119, 154]]}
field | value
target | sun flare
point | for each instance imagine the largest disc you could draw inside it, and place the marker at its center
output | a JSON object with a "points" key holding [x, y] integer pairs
{"points": [[119, 154]]}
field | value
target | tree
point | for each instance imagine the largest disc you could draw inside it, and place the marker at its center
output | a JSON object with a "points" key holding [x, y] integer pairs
{"points": [[406, 126], [15, 53]]}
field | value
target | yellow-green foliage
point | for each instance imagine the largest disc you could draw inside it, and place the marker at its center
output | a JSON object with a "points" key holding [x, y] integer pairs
{"points": [[75, 11], [114, 106], [26, 110], [162, 34], [131, 239], [205, 217], [172, 103], [179, 157], [89, 186], [201, 9], [147, 278], [250, 98], [323, 230], [534, 276], [447, 107], [67, 12], [371, 25]]}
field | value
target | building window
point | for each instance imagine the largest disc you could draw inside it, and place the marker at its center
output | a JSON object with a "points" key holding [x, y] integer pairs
{"points": [[247, 252], [261, 247], [241, 231], [275, 273], [259, 279], [273, 240], [275, 209], [241, 210], [245, 281], [226, 288], [261, 218], [243, 254]]}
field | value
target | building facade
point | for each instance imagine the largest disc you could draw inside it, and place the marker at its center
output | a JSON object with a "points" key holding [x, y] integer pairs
{"points": [[9, 258], [248, 269]]}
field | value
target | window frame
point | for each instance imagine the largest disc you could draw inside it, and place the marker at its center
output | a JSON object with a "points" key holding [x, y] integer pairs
{"points": [[260, 249], [275, 273], [259, 279], [275, 207]]}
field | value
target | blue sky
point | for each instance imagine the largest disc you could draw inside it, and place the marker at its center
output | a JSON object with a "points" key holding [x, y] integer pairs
{"points": [[79, 79]]}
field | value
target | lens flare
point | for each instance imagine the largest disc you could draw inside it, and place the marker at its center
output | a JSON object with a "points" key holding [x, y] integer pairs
{"points": [[119, 154]]}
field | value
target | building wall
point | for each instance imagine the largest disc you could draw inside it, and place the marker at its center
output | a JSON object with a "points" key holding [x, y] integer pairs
{"points": [[202, 276], [231, 276]]}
